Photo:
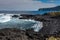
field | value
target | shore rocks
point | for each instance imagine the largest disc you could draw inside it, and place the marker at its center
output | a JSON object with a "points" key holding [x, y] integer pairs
{"points": [[16, 34], [51, 24]]}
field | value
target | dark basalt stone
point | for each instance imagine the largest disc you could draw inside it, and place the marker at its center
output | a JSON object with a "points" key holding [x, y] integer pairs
{"points": [[15, 16], [16, 34]]}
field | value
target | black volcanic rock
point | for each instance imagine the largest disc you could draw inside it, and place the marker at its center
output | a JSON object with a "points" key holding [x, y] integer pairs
{"points": [[15, 16], [57, 8], [16, 34]]}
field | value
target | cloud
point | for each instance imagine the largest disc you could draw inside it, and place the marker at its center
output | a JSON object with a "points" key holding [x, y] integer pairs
{"points": [[53, 1], [23, 5]]}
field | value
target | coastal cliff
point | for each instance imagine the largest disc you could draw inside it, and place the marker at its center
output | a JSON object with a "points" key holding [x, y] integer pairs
{"points": [[57, 8]]}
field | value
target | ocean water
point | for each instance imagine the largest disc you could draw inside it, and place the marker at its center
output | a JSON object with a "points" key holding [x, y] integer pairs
{"points": [[7, 21], [26, 12]]}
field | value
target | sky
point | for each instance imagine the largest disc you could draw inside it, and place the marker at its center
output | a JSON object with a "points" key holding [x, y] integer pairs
{"points": [[27, 5]]}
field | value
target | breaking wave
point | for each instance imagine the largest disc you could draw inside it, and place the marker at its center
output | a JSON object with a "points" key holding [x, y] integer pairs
{"points": [[4, 18], [37, 26]]}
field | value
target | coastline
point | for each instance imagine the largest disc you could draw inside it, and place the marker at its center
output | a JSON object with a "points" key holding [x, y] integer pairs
{"points": [[50, 27]]}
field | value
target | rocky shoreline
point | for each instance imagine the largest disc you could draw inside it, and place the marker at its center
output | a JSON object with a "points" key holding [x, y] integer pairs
{"points": [[50, 22], [16, 34], [51, 26]]}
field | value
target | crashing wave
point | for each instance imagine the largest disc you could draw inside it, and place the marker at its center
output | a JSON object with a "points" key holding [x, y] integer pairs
{"points": [[4, 18], [37, 26]]}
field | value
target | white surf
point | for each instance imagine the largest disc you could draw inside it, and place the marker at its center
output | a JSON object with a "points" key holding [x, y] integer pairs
{"points": [[4, 18]]}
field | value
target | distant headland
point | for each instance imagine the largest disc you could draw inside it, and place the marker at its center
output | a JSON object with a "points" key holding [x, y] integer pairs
{"points": [[57, 8]]}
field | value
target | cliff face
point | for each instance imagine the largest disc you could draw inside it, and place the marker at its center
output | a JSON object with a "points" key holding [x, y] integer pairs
{"points": [[57, 8]]}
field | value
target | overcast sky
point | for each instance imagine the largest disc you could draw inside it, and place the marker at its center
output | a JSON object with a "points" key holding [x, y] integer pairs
{"points": [[27, 5]]}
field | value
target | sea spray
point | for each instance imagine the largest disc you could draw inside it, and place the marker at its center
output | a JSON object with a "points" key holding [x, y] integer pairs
{"points": [[37, 26], [5, 18]]}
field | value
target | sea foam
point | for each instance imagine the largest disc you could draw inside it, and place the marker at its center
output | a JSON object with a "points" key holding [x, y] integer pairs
{"points": [[4, 18], [37, 26]]}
